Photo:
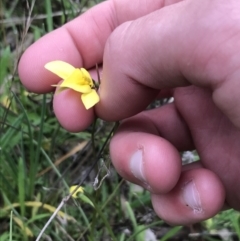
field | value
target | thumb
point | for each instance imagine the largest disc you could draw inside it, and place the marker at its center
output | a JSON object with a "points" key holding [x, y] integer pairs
{"points": [[179, 45]]}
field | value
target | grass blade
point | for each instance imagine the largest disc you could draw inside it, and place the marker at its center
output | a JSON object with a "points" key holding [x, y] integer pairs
{"points": [[21, 185]]}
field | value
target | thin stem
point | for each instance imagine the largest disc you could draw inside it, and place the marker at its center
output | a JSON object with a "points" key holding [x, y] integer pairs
{"points": [[51, 218]]}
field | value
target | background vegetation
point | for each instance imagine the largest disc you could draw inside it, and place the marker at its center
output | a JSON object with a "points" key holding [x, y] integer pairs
{"points": [[39, 160]]}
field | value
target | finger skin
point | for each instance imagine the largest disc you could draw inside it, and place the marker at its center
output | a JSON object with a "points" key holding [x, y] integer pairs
{"points": [[167, 56], [173, 208], [161, 161], [76, 43], [215, 137], [80, 42], [159, 134], [165, 121], [192, 121], [70, 111], [162, 167], [152, 53]]}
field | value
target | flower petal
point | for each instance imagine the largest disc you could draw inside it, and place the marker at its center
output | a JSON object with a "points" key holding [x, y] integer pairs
{"points": [[87, 77], [60, 68], [90, 99], [79, 88], [79, 189], [78, 77]]}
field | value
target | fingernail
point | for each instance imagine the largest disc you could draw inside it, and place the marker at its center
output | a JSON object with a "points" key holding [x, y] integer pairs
{"points": [[137, 166], [191, 197]]}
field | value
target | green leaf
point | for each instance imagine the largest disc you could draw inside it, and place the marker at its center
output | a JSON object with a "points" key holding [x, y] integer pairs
{"points": [[85, 199], [171, 233]]}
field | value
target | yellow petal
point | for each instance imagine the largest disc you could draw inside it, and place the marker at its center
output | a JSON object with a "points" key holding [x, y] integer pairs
{"points": [[60, 68], [77, 77], [90, 99], [72, 188], [87, 77], [76, 82], [76, 87]]}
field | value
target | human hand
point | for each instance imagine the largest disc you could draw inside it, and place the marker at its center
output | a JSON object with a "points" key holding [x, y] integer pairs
{"points": [[187, 47]]}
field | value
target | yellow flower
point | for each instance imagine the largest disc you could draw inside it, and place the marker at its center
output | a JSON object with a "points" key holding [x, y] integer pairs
{"points": [[79, 190], [76, 79]]}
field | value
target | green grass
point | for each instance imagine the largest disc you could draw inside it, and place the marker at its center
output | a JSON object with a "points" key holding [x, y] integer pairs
{"points": [[32, 142]]}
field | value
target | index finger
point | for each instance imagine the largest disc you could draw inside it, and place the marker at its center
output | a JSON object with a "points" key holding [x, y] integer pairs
{"points": [[80, 42]]}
